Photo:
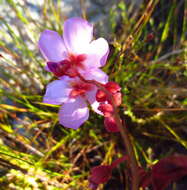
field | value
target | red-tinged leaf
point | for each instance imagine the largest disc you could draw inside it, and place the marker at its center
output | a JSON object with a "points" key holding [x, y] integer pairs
{"points": [[100, 174], [168, 170], [92, 185], [119, 161], [145, 178]]}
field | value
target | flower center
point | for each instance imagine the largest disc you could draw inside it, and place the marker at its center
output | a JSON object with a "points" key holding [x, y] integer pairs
{"points": [[76, 60], [79, 89], [67, 66]]}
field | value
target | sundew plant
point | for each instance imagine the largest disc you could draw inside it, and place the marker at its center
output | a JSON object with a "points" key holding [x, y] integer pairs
{"points": [[93, 95]]}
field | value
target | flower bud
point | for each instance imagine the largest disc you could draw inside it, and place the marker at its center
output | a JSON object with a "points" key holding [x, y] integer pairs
{"points": [[113, 87], [100, 96], [110, 125], [106, 109], [117, 97]]}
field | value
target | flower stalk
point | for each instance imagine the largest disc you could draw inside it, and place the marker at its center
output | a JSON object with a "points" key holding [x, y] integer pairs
{"points": [[124, 134], [76, 60]]}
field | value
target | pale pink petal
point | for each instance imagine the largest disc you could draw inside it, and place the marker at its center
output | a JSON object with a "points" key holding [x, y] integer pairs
{"points": [[77, 34], [57, 92], [91, 97], [52, 46], [104, 58], [95, 74], [92, 61], [74, 114], [97, 53]]}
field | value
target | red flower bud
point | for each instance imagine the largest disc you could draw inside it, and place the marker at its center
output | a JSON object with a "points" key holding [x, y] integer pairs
{"points": [[110, 125], [117, 98], [113, 87], [106, 109], [100, 96]]}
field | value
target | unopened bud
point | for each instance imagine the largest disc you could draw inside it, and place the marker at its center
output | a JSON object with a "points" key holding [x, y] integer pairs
{"points": [[113, 87], [100, 96], [106, 109], [117, 98], [110, 125]]}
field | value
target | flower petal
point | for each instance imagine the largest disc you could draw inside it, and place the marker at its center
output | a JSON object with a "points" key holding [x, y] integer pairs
{"points": [[95, 74], [57, 92], [74, 114], [91, 97], [104, 58], [77, 34], [52, 46], [97, 53]]}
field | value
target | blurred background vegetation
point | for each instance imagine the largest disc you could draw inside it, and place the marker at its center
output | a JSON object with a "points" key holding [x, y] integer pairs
{"points": [[148, 57]]}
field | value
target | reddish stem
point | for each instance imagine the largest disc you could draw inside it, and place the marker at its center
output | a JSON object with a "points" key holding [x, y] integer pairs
{"points": [[124, 133]]}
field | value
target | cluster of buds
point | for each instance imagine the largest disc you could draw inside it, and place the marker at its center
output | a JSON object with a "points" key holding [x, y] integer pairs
{"points": [[108, 102]]}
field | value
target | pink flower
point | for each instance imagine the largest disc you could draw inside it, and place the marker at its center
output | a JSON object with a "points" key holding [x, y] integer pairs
{"points": [[68, 57], [73, 94], [74, 51]]}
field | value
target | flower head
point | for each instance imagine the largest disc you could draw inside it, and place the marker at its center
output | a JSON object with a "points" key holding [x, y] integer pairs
{"points": [[73, 52], [68, 57], [73, 95]]}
